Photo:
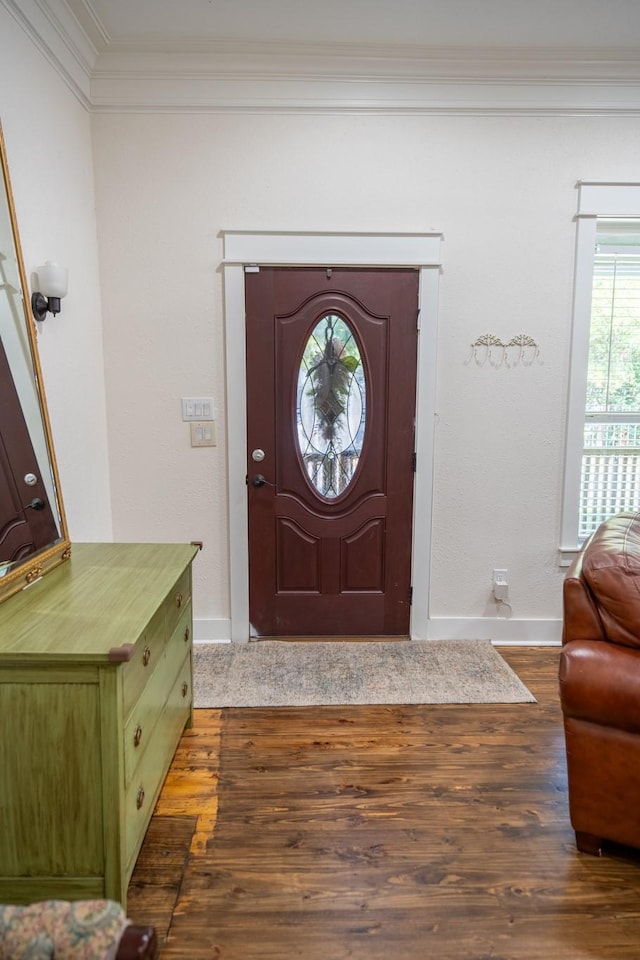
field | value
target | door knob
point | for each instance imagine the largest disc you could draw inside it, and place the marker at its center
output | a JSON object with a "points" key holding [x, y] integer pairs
{"points": [[258, 480]]}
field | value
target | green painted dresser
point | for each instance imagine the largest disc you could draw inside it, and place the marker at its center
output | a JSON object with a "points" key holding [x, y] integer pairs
{"points": [[95, 692]]}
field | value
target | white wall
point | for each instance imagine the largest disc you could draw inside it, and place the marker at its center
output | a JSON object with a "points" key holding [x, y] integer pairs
{"points": [[502, 189], [48, 140]]}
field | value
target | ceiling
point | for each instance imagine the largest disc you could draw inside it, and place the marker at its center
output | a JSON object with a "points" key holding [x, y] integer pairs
{"points": [[403, 56], [578, 24]]}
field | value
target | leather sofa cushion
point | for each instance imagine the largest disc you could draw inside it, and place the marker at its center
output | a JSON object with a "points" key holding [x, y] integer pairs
{"points": [[611, 568], [600, 682]]}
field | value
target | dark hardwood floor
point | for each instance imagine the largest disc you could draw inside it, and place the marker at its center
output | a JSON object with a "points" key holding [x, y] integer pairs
{"points": [[382, 832]]}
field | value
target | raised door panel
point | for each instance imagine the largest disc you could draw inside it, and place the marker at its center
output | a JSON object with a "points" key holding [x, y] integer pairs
{"points": [[362, 558], [298, 554]]}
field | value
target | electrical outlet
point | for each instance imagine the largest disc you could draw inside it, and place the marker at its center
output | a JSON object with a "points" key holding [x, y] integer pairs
{"points": [[500, 584]]}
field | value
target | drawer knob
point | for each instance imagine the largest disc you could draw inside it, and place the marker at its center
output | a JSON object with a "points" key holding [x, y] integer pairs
{"points": [[178, 600], [140, 798], [185, 688], [187, 634], [137, 736], [146, 656]]}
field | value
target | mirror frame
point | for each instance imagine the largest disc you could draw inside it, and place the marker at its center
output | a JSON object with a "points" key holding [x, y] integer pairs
{"points": [[32, 568]]}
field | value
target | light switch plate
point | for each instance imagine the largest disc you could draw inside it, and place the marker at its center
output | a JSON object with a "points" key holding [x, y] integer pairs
{"points": [[203, 433], [198, 408]]}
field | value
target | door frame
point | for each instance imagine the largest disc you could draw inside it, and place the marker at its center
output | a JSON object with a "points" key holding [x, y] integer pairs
{"points": [[245, 249]]}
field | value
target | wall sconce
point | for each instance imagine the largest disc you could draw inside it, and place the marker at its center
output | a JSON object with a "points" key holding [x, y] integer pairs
{"points": [[53, 282]]}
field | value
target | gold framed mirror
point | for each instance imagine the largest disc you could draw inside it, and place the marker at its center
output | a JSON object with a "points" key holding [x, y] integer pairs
{"points": [[33, 529]]}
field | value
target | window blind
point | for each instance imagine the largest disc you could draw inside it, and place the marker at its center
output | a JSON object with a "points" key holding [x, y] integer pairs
{"points": [[610, 479]]}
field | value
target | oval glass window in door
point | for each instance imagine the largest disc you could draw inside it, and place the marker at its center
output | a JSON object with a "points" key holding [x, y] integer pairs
{"points": [[331, 406]]}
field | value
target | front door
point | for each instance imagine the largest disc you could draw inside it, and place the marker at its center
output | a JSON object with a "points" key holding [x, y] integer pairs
{"points": [[27, 522], [331, 379]]}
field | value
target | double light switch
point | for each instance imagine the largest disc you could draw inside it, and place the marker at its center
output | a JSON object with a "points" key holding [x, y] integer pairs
{"points": [[200, 412]]}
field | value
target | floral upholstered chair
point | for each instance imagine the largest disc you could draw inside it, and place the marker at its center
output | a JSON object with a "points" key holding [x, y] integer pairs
{"points": [[80, 930]]}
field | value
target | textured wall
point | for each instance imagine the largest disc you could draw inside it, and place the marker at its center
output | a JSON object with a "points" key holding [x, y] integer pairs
{"points": [[48, 140], [503, 192]]}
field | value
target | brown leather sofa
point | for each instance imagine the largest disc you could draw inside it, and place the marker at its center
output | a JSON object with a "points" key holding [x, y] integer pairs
{"points": [[600, 685]]}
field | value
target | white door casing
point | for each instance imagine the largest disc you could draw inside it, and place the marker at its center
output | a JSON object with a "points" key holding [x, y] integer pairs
{"points": [[246, 249]]}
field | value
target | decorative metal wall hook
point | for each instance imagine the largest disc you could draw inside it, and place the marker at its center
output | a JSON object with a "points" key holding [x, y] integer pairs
{"points": [[485, 348], [519, 349]]}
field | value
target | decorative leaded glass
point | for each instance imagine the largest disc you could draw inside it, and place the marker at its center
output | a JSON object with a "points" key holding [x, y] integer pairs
{"points": [[331, 406]]}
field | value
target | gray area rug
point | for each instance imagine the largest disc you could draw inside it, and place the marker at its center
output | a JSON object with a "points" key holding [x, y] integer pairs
{"points": [[275, 673]]}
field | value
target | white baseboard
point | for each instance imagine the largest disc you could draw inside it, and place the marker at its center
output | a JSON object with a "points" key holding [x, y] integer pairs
{"points": [[500, 630], [212, 631]]}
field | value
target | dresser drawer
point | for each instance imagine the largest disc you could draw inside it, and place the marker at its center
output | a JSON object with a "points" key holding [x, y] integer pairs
{"points": [[148, 708], [149, 647], [177, 599], [148, 651], [143, 790]]}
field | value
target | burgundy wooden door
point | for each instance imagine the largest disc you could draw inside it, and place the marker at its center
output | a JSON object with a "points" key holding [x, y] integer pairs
{"points": [[331, 380], [26, 520]]}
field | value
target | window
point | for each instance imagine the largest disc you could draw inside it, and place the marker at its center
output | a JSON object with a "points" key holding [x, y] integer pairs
{"points": [[602, 475], [610, 476], [331, 406]]}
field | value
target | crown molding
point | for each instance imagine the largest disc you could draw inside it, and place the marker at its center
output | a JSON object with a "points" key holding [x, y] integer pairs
{"points": [[304, 95], [89, 23], [224, 76], [160, 75], [56, 33], [233, 59]]}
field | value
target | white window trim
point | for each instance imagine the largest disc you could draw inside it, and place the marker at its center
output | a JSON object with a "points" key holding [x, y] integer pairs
{"points": [[241, 249], [595, 199]]}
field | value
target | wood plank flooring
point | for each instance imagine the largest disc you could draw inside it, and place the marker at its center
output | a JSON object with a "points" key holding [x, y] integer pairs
{"points": [[367, 832]]}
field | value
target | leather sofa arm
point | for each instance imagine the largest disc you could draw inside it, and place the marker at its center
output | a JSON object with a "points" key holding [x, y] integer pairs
{"points": [[600, 684], [581, 620]]}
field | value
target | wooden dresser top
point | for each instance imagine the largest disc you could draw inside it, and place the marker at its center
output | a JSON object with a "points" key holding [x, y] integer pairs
{"points": [[102, 597]]}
